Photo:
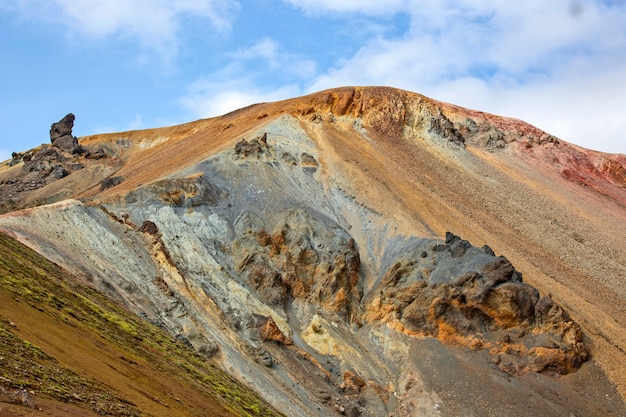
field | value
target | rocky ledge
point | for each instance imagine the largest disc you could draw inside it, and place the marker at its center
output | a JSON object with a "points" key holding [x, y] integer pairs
{"points": [[467, 296]]}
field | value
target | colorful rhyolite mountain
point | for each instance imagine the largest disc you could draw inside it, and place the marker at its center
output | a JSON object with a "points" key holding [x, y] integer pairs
{"points": [[358, 251]]}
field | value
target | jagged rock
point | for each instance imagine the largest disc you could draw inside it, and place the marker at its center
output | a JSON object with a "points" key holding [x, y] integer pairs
{"points": [[443, 127], [256, 146], [111, 182], [149, 227], [352, 383], [62, 128], [296, 262], [98, 153], [17, 157], [44, 161], [67, 143], [465, 295], [271, 332], [58, 172], [61, 134]]}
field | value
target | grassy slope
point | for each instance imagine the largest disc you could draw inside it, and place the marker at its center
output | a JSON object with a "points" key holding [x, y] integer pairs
{"points": [[80, 354]]}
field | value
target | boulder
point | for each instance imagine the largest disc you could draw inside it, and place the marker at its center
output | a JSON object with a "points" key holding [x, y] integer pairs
{"points": [[61, 134], [110, 182], [62, 128]]}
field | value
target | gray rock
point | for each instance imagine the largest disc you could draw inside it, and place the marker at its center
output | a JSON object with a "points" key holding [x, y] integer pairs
{"points": [[67, 143], [110, 182], [266, 359], [61, 135], [62, 128]]}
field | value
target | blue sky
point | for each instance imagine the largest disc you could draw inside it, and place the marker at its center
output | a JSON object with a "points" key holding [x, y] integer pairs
{"points": [[133, 64]]}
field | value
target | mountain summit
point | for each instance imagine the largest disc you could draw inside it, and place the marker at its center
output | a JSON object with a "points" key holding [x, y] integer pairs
{"points": [[359, 251]]}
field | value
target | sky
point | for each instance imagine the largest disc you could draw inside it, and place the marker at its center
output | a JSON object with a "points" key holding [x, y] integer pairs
{"points": [[132, 64]]}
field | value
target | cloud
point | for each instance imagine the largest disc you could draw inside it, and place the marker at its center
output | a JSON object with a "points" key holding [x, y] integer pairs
{"points": [[245, 80], [270, 52], [206, 98], [555, 64], [582, 109], [153, 24], [375, 7]]}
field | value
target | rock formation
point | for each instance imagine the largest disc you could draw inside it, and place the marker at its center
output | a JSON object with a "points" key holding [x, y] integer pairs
{"points": [[48, 163], [467, 296], [61, 134]]}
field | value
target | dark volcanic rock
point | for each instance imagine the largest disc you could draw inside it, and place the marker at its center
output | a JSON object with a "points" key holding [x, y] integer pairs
{"points": [[256, 146], [110, 182], [61, 135], [443, 127], [149, 227], [465, 295], [98, 153], [58, 172], [44, 161], [62, 128], [67, 143]]}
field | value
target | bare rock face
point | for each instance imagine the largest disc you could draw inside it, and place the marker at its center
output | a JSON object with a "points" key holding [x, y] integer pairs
{"points": [[256, 146], [271, 332], [111, 182], [61, 134], [304, 260], [63, 127], [442, 126], [467, 296]]}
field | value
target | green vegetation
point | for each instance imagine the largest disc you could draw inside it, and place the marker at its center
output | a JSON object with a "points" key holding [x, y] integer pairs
{"points": [[29, 278], [25, 366]]}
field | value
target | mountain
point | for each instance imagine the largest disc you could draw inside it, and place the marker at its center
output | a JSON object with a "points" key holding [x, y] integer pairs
{"points": [[358, 251]]}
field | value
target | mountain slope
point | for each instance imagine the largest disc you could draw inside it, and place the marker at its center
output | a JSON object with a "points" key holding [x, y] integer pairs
{"points": [[296, 238], [67, 350]]}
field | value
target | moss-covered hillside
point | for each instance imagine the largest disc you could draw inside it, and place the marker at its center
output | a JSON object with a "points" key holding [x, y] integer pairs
{"points": [[65, 350]]}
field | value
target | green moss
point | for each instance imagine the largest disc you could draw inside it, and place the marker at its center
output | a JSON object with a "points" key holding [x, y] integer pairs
{"points": [[31, 278], [26, 366]]}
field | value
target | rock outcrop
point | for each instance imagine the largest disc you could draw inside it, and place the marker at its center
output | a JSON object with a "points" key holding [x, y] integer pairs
{"points": [[305, 261], [48, 163], [467, 296], [61, 134]]}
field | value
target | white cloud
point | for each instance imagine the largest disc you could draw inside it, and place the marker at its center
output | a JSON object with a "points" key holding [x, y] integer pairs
{"points": [[563, 106], [377, 7], [154, 24], [206, 98], [266, 48], [238, 84], [558, 65], [271, 52], [555, 64]]}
